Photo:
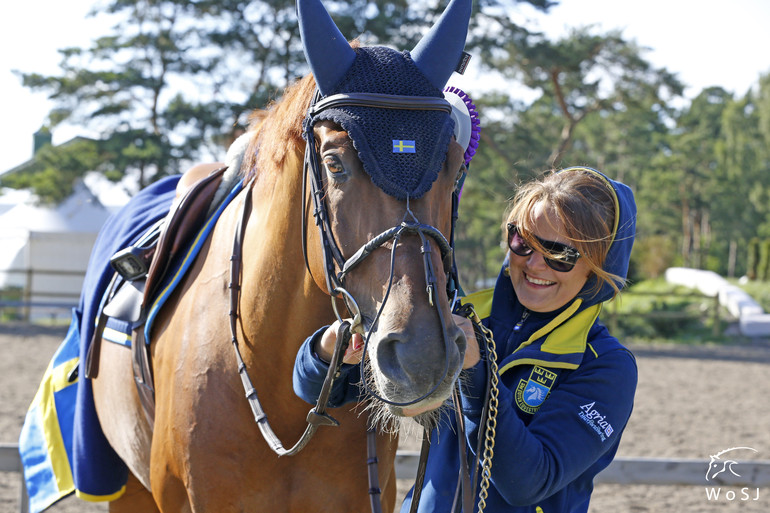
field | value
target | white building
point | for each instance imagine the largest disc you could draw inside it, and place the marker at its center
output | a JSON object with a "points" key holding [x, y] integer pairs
{"points": [[44, 250]]}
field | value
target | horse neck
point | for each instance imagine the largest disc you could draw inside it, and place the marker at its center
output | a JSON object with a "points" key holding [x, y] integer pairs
{"points": [[280, 299]]}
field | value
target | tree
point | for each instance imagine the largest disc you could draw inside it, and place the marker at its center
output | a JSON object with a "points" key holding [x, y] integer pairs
{"points": [[54, 171], [587, 73], [131, 87], [175, 80]]}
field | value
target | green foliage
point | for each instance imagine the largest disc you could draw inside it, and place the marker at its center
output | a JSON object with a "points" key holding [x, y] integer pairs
{"points": [[657, 310], [758, 290], [653, 255], [10, 294], [55, 170]]}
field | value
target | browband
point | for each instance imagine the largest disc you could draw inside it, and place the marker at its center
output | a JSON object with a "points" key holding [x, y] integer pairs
{"points": [[382, 101]]}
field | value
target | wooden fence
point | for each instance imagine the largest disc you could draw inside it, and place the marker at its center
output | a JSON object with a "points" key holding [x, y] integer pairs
{"points": [[611, 313], [46, 293]]}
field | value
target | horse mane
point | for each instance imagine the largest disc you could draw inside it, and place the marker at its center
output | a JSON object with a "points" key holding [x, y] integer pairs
{"points": [[277, 129]]}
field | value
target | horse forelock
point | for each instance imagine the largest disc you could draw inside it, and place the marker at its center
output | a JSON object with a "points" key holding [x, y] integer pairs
{"points": [[277, 129]]}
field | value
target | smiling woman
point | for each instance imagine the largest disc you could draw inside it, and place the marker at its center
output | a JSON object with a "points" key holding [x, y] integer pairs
{"points": [[566, 386]]}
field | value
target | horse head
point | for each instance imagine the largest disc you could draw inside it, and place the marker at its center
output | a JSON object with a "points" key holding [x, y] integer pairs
{"points": [[384, 166]]}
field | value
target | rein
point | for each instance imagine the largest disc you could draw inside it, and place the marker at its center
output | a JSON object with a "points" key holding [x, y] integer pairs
{"points": [[317, 416]]}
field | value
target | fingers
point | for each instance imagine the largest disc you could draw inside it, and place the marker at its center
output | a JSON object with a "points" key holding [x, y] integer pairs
{"points": [[472, 353], [355, 350], [464, 324], [325, 347]]}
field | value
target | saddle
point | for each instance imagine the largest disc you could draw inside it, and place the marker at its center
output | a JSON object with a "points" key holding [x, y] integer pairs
{"points": [[141, 268]]}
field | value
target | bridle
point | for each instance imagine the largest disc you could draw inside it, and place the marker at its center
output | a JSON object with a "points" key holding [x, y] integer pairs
{"points": [[337, 267], [333, 258]]}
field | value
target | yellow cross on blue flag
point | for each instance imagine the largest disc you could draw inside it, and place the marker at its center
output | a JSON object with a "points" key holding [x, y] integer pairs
{"points": [[403, 146]]}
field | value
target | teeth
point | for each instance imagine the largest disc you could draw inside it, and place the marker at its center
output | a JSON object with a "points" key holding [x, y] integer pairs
{"points": [[538, 282]]}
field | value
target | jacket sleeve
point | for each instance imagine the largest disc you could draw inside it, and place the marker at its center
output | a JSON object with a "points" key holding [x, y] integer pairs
{"points": [[310, 372], [578, 423]]}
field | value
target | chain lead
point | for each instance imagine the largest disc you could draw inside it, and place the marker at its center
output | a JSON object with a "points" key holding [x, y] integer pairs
{"points": [[491, 425]]}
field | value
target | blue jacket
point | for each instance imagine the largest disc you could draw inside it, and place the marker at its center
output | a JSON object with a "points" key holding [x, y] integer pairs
{"points": [[565, 395]]}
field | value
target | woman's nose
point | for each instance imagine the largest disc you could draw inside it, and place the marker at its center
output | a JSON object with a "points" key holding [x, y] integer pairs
{"points": [[536, 260]]}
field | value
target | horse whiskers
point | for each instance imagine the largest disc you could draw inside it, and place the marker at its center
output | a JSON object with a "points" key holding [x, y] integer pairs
{"points": [[382, 418], [384, 421]]}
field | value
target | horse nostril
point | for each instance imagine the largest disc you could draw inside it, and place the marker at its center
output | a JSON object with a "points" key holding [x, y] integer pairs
{"points": [[459, 339], [418, 355]]}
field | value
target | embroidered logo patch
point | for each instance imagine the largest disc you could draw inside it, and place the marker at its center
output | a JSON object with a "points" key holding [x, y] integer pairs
{"points": [[403, 146], [596, 421], [530, 394]]}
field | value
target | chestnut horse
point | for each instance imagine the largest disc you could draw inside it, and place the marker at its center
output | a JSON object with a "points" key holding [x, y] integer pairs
{"points": [[204, 453]]}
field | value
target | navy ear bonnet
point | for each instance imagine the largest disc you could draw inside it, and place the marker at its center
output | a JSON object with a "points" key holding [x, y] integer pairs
{"points": [[401, 150]]}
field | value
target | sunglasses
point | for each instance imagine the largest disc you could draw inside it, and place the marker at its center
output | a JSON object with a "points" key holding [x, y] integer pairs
{"points": [[561, 258]]}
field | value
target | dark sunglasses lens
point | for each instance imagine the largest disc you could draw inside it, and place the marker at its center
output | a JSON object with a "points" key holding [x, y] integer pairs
{"points": [[568, 256], [516, 243], [561, 266]]}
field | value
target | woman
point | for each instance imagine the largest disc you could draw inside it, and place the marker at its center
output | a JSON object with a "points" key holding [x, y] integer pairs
{"points": [[566, 386]]}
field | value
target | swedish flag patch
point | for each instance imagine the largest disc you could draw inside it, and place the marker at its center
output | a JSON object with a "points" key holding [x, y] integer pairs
{"points": [[403, 146]]}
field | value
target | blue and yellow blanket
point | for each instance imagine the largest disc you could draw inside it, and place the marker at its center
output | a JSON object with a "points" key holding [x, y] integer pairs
{"points": [[62, 447]]}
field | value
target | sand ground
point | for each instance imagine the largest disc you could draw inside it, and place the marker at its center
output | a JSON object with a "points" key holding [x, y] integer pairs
{"points": [[691, 402]]}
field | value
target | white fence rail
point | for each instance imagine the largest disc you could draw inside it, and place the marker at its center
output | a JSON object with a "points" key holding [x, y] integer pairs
{"points": [[645, 471], [11, 462]]}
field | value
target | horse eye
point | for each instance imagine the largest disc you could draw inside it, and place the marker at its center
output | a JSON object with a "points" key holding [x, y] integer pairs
{"points": [[460, 174], [333, 165]]}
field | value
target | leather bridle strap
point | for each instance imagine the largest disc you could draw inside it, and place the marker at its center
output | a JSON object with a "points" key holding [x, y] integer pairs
{"points": [[422, 465], [371, 467], [405, 226], [463, 501], [331, 252], [381, 101], [317, 416]]}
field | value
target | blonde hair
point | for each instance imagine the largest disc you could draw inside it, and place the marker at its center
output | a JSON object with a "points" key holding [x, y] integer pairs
{"points": [[584, 203]]}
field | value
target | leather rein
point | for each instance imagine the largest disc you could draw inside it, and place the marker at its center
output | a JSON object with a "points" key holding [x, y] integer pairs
{"points": [[333, 260]]}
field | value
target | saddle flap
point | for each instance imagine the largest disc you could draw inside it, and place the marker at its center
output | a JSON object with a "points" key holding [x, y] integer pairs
{"points": [[187, 215], [126, 304]]}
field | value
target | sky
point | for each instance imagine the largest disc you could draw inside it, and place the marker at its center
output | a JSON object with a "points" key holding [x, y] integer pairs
{"points": [[705, 42]]}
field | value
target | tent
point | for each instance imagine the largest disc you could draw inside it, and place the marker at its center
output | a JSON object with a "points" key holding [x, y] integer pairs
{"points": [[44, 250]]}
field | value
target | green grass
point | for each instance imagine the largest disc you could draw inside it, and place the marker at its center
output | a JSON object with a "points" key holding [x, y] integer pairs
{"points": [[657, 311], [9, 294], [758, 290]]}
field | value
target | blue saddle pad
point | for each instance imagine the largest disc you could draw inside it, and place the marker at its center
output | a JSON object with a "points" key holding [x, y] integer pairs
{"points": [[62, 446]]}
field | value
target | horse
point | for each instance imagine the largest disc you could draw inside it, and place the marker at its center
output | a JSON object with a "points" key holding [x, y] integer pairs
{"points": [[201, 452]]}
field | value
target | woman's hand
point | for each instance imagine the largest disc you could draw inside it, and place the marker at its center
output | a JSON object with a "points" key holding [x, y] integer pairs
{"points": [[472, 354], [325, 347]]}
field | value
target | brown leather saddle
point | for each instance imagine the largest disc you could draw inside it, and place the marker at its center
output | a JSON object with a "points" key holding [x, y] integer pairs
{"points": [[140, 270]]}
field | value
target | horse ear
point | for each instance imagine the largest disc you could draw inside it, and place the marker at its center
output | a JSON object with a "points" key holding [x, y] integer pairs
{"points": [[327, 51], [438, 52]]}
